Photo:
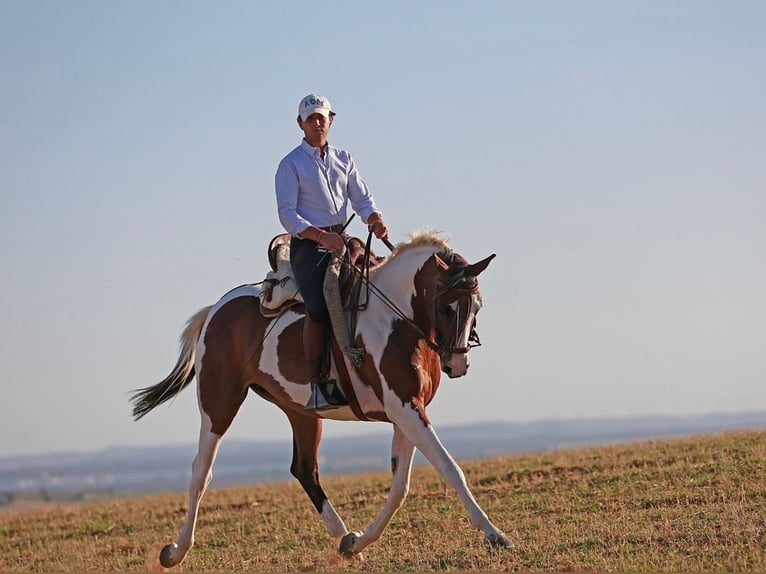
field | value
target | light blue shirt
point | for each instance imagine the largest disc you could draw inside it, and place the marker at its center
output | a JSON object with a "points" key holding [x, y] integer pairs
{"points": [[315, 192]]}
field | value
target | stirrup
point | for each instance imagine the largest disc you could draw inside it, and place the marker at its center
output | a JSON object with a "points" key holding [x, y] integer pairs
{"points": [[325, 396]]}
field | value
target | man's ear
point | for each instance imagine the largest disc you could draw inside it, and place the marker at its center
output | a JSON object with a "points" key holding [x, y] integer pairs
{"points": [[300, 124]]}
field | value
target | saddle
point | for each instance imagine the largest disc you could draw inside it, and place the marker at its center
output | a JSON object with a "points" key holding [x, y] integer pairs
{"points": [[281, 291]]}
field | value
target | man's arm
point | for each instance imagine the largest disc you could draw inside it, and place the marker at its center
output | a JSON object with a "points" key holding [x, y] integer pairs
{"points": [[286, 187]]}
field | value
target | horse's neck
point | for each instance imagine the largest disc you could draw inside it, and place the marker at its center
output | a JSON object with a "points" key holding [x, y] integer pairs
{"points": [[396, 278]]}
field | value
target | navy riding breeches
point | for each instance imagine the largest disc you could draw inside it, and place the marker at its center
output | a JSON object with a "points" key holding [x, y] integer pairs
{"points": [[309, 266]]}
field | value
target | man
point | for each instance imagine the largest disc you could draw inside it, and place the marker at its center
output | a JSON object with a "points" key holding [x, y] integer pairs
{"points": [[315, 182]]}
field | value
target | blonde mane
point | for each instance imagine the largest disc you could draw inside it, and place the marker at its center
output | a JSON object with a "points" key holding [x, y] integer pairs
{"points": [[420, 238]]}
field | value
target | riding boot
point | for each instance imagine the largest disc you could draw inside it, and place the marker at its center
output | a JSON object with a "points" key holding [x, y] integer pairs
{"points": [[325, 392]]}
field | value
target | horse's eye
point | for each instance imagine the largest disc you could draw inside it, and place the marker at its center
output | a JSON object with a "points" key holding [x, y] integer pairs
{"points": [[445, 311]]}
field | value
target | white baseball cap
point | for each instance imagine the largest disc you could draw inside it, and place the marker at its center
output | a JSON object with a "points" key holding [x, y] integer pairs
{"points": [[314, 104]]}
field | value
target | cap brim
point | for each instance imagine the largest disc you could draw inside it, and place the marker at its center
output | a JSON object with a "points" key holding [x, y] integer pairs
{"points": [[326, 112]]}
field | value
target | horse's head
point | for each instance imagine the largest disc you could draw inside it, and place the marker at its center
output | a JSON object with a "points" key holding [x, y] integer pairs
{"points": [[455, 301]]}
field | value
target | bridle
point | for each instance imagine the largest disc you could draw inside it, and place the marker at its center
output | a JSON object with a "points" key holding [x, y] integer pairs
{"points": [[463, 298], [473, 337]]}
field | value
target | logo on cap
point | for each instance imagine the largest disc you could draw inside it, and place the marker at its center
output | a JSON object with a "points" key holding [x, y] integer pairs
{"points": [[314, 103], [311, 101]]}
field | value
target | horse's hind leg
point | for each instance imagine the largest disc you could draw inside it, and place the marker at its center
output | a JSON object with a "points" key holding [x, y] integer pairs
{"points": [[209, 441], [173, 554], [307, 432], [402, 451]]}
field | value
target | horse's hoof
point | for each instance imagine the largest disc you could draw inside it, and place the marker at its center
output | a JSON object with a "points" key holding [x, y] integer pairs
{"points": [[498, 540], [347, 544], [166, 559]]}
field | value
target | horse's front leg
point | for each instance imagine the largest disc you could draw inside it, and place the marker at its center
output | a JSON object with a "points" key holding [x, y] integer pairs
{"points": [[307, 432], [402, 451], [425, 439]]}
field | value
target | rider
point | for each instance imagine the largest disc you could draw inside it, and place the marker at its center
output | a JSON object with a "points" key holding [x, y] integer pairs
{"points": [[314, 184]]}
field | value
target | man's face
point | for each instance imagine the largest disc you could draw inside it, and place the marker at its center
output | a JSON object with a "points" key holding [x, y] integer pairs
{"points": [[315, 128]]}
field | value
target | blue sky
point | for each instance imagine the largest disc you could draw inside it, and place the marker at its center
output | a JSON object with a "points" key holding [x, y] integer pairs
{"points": [[610, 153]]}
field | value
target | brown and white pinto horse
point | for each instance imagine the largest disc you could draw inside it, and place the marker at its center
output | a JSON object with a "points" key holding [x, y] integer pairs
{"points": [[420, 323]]}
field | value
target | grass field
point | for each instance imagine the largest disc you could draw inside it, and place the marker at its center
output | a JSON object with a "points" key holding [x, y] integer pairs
{"points": [[696, 504]]}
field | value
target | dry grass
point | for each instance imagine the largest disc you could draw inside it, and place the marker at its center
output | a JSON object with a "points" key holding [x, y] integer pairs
{"points": [[695, 504]]}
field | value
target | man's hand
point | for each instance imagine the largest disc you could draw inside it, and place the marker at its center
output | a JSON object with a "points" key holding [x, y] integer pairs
{"points": [[376, 225], [332, 242]]}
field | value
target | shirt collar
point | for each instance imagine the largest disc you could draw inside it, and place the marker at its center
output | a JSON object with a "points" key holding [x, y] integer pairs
{"points": [[311, 150]]}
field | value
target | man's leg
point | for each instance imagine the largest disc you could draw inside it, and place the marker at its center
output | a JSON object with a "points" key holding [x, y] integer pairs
{"points": [[324, 392], [309, 266]]}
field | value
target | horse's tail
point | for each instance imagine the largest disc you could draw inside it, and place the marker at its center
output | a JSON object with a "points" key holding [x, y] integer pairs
{"points": [[144, 400]]}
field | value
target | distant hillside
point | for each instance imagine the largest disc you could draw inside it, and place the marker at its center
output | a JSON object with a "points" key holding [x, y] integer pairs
{"points": [[121, 470]]}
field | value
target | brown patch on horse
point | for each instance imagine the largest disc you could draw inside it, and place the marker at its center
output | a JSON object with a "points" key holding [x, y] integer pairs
{"points": [[414, 381], [232, 332], [290, 353], [408, 362]]}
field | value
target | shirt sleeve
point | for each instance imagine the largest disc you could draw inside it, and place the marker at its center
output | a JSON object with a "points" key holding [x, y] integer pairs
{"points": [[286, 185], [358, 194]]}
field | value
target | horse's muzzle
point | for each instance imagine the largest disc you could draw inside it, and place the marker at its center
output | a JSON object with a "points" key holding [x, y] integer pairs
{"points": [[454, 365]]}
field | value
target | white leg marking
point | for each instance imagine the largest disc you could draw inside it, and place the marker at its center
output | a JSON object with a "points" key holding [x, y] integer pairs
{"points": [[333, 521], [402, 451], [428, 443], [201, 476]]}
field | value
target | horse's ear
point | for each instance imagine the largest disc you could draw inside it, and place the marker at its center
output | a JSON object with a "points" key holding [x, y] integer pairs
{"points": [[476, 268], [440, 262]]}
